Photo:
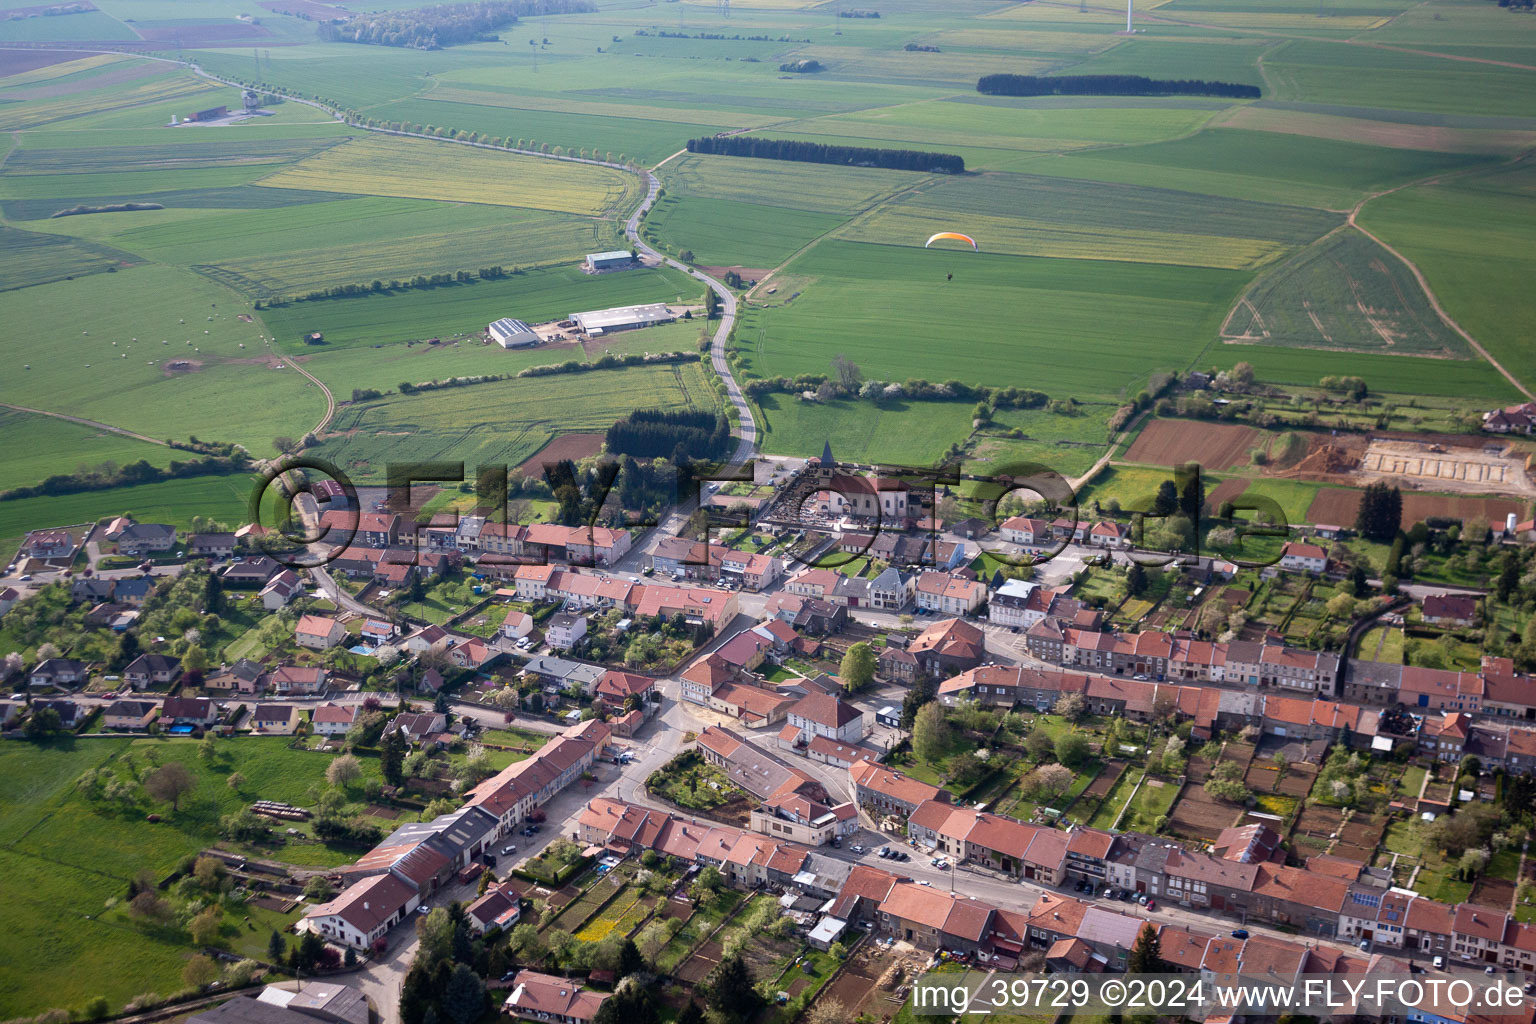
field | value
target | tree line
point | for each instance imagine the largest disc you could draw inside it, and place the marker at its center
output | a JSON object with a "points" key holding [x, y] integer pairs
{"points": [[439, 25], [1110, 85], [108, 475], [379, 286], [818, 153], [657, 434]]}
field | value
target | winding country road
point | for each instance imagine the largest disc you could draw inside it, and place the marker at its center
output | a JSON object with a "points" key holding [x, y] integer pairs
{"points": [[746, 427]]}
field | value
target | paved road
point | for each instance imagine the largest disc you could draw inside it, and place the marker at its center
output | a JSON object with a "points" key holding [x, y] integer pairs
{"points": [[746, 426]]}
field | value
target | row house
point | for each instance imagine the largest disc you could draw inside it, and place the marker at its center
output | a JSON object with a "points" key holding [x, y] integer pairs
{"points": [[949, 595], [1397, 919], [934, 919], [1018, 604], [884, 791], [751, 571], [947, 647], [362, 913], [1306, 900], [1432, 689], [515, 791], [800, 819], [892, 590], [1205, 881], [687, 558], [754, 769]]}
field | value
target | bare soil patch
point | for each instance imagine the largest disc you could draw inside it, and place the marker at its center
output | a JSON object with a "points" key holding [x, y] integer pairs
{"points": [[1226, 491], [1433, 466], [566, 446], [380, 811], [1298, 780], [1215, 446], [747, 273], [176, 367], [1198, 815], [1339, 505], [1376, 133], [1497, 893], [14, 62]]}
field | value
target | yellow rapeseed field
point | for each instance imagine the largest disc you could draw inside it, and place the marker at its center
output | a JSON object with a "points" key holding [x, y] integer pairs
{"points": [[415, 168]]}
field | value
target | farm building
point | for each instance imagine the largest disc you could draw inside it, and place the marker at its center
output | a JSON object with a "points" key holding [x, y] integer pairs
{"points": [[607, 260], [211, 114], [314, 338], [509, 333], [623, 318]]}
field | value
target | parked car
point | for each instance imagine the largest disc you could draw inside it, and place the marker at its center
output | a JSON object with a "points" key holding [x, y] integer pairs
{"points": [[1240, 933], [1151, 904], [1439, 962], [856, 849], [505, 850], [923, 881]]}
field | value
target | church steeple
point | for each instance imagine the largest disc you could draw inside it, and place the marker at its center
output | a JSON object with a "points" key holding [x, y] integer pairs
{"points": [[826, 454]]}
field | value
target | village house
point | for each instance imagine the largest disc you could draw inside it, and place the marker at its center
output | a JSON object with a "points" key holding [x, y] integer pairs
{"points": [[363, 912], [944, 594], [129, 715], [212, 545], [1450, 609], [151, 669], [333, 719], [275, 719], [194, 711], [1299, 556], [244, 676], [146, 539], [64, 673], [318, 632], [947, 647], [297, 680], [281, 590], [551, 999]]}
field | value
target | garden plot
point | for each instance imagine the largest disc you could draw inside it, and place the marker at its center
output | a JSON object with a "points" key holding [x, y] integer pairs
{"points": [[1198, 815]]}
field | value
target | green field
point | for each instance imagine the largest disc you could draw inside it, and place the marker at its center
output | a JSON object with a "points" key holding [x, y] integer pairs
{"points": [[503, 422], [535, 296], [1464, 234], [1344, 292], [893, 433], [68, 855], [109, 359], [224, 498], [41, 446], [727, 233], [1030, 215], [1070, 327]]}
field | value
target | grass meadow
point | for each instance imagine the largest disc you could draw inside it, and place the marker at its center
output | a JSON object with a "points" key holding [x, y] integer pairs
{"points": [[535, 296], [893, 433], [1344, 292], [503, 422], [40, 446], [1068, 327], [68, 855], [223, 498], [109, 359]]}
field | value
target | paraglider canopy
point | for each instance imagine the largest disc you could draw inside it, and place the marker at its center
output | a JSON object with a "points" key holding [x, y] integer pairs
{"points": [[951, 234]]}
